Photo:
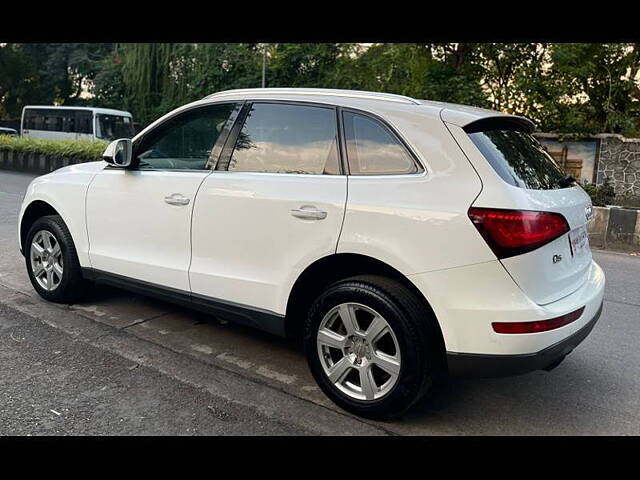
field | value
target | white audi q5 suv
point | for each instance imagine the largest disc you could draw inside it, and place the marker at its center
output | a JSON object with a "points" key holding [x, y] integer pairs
{"points": [[398, 238]]}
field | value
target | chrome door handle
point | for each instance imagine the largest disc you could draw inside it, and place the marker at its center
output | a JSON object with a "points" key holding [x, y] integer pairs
{"points": [[309, 212], [176, 199]]}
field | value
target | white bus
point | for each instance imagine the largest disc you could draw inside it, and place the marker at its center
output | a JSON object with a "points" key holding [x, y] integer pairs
{"points": [[61, 123]]}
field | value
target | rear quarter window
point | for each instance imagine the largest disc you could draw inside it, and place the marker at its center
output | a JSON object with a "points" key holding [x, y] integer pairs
{"points": [[519, 159], [373, 150]]}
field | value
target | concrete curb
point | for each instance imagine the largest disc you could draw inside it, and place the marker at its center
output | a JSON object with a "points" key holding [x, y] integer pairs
{"points": [[35, 162], [614, 227]]}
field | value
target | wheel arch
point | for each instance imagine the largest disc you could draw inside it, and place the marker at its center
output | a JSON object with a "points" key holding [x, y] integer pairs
{"points": [[35, 210], [333, 268]]}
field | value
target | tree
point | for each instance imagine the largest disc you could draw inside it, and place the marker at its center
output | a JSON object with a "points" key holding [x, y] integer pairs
{"points": [[16, 81], [108, 86], [453, 75], [49, 73], [598, 86], [395, 68], [566, 88], [84, 63], [159, 77], [440, 72], [323, 65]]}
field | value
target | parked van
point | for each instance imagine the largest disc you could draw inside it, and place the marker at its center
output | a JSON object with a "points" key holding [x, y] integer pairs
{"points": [[61, 123]]}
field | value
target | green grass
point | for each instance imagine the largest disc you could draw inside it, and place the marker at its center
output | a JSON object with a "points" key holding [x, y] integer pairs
{"points": [[85, 149]]}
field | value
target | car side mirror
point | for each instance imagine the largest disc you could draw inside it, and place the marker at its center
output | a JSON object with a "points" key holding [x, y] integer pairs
{"points": [[119, 153]]}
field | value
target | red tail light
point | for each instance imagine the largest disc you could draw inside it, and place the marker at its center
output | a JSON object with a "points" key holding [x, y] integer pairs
{"points": [[513, 232], [537, 326]]}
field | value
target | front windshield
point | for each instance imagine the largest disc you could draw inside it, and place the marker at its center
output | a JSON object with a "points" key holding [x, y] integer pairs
{"points": [[112, 127]]}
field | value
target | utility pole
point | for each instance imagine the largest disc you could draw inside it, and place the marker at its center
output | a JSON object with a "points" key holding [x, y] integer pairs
{"points": [[264, 64]]}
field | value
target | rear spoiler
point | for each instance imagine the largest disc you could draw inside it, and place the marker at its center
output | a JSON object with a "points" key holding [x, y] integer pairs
{"points": [[502, 122]]}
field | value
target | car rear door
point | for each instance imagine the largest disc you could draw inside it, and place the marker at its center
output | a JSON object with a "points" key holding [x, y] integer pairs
{"points": [[274, 204], [139, 219], [519, 175]]}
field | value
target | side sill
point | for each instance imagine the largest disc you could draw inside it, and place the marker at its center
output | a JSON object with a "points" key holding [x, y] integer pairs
{"points": [[484, 365], [260, 319]]}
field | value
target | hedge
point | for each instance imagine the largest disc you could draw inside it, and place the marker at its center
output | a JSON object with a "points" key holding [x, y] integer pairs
{"points": [[84, 149]]}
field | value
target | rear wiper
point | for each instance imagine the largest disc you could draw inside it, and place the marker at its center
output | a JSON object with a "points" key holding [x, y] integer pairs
{"points": [[567, 181]]}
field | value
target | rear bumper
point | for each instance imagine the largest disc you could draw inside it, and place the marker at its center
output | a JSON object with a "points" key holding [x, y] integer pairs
{"points": [[467, 300], [482, 365]]}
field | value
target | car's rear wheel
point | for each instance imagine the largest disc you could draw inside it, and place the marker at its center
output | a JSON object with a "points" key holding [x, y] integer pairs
{"points": [[371, 345], [52, 261]]}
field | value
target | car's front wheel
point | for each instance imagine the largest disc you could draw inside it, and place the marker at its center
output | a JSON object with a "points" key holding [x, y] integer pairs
{"points": [[52, 261], [371, 345]]}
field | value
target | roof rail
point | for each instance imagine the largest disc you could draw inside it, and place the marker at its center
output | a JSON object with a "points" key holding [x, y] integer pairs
{"points": [[390, 97]]}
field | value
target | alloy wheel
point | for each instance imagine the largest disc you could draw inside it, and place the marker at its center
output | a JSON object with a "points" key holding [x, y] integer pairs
{"points": [[359, 351], [46, 260]]}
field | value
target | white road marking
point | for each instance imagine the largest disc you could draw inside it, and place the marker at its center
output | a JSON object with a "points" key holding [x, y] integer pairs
{"points": [[202, 349], [91, 309], [229, 358], [281, 377]]}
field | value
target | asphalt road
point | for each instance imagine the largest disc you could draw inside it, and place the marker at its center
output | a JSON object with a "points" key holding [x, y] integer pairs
{"points": [[123, 364]]}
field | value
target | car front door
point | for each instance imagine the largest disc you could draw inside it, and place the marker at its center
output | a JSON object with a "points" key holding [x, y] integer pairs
{"points": [[273, 205], [139, 219]]}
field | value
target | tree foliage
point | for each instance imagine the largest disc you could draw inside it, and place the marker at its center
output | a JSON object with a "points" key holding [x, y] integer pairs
{"points": [[153, 78], [566, 88], [601, 195], [49, 73]]}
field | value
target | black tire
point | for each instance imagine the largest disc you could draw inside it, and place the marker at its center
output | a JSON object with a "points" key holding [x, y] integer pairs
{"points": [[413, 325], [72, 286]]}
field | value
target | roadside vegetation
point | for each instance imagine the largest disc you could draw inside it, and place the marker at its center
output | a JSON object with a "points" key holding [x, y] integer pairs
{"points": [[573, 88], [604, 194], [79, 149], [601, 195]]}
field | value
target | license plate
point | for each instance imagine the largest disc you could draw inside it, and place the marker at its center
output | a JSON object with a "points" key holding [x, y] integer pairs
{"points": [[579, 241]]}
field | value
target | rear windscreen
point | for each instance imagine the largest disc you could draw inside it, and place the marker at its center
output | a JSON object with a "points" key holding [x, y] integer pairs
{"points": [[519, 159]]}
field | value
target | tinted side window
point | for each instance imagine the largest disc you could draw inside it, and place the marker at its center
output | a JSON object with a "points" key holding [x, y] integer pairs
{"points": [[39, 121], [84, 122], [185, 141], [519, 159], [69, 122], [34, 120], [372, 149], [279, 138], [29, 120], [63, 120], [58, 123], [66, 121], [53, 121]]}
